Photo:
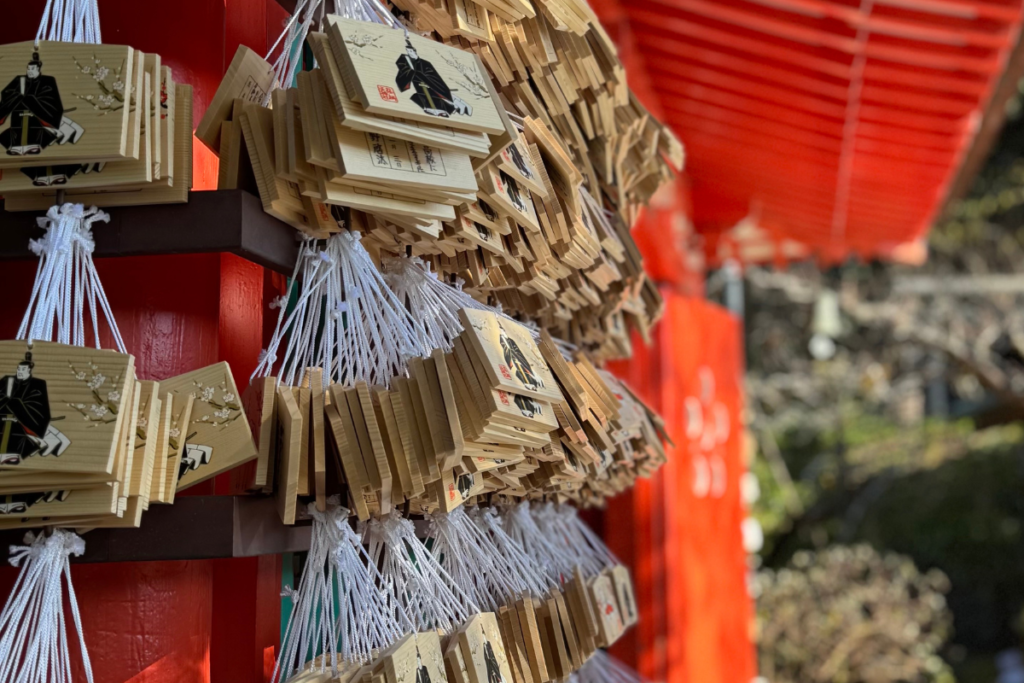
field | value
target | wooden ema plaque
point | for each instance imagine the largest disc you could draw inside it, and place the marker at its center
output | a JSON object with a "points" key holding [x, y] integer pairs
{"points": [[218, 435], [62, 408], [401, 74], [65, 103]]}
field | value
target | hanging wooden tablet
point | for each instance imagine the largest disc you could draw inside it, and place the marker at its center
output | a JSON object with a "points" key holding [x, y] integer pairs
{"points": [[504, 193], [145, 442], [177, 436], [164, 191], [532, 638], [402, 74], [62, 407], [510, 356], [304, 401], [218, 433], [317, 440], [429, 658], [249, 78], [260, 408], [64, 103], [602, 595], [516, 161], [624, 592], [483, 650], [289, 449], [159, 433]]}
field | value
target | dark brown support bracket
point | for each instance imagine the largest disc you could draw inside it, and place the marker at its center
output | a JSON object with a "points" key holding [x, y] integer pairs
{"points": [[212, 221], [193, 528]]}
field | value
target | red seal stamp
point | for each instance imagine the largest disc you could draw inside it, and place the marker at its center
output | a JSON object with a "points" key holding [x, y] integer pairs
{"points": [[387, 93], [504, 372]]}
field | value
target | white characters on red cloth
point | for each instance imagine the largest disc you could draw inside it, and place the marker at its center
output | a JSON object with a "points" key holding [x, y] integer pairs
{"points": [[707, 429]]}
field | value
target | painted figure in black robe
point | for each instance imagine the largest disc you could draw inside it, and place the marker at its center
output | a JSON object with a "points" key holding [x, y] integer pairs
{"points": [[493, 670], [527, 406], [519, 161], [32, 103], [517, 361], [422, 674], [513, 192], [465, 484], [24, 414], [430, 92]]}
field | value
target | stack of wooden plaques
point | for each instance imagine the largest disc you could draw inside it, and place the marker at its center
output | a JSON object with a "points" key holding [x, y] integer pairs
{"points": [[510, 153], [499, 415], [85, 444], [105, 124]]}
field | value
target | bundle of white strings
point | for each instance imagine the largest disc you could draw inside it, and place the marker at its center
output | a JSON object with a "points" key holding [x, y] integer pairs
{"points": [[345, 319], [70, 21], [482, 559], [519, 523], [337, 608], [33, 632], [66, 281], [434, 305], [577, 543], [412, 577]]}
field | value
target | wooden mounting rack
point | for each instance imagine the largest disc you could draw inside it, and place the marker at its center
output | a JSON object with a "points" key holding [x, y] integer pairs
{"points": [[194, 528], [212, 221]]}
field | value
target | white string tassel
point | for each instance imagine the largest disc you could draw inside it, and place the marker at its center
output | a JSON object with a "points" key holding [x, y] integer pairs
{"points": [[520, 524], [345, 320], [577, 543], [413, 579], [66, 281], [434, 305], [369, 620], [482, 559], [70, 21], [33, 631], [337, 609]]}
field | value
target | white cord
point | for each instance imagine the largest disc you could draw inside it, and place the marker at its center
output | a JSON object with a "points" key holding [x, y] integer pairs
{"points": [[70, 21], [66, 281], [33, 632], [412, 577]]}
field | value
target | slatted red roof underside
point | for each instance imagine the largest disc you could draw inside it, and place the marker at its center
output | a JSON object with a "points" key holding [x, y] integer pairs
{"points": [[839, 124]]}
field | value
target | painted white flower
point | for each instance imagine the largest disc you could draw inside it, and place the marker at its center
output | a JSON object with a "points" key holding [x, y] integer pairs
{"points": [[101, 73], [222, 414], [80, 406], [118, 86], [208, 393], [80, 376], [229, 398], [174, 433], [143, 422], [206, 418], [99, 411], [87, 69], [96, 382], [107, 100], [114, 396]]}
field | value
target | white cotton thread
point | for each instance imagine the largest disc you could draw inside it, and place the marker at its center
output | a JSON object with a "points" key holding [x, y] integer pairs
{"points": [[33, 631], [66, 281]]}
